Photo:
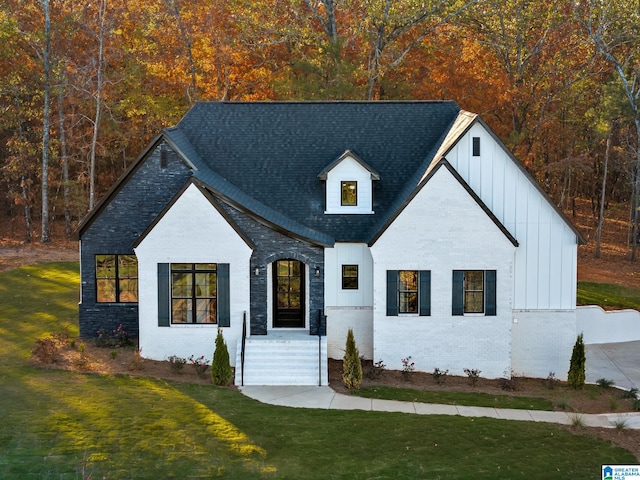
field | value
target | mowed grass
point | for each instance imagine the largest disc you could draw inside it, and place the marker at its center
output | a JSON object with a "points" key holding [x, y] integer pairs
{"points": [[470, 399], [65, 425], [608, 295]]}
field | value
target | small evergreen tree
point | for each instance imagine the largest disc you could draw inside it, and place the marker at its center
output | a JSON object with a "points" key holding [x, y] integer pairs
{"points": [[351, 365], [221, 372], [576, 377]]}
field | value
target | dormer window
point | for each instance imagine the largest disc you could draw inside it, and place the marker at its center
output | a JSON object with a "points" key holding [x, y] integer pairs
{"points": [[348, 185], [349, 194]]}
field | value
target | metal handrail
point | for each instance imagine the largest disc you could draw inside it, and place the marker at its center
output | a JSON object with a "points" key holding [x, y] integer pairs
{"points": [[321, 318], [244, 339]]}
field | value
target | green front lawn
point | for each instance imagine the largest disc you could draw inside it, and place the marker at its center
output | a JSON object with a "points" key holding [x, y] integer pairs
{"points": [[65, 425], [608, 295], [469, 399]]}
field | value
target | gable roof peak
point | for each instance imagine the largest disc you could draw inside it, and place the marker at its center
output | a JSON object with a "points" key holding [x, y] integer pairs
{"points": [[348, 154]]}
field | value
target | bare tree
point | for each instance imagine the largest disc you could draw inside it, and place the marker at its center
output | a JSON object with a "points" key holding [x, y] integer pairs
{"points": [[45, 236], [612, 26]]}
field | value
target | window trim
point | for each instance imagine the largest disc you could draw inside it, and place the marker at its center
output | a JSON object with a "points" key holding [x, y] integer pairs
{"points": [[117, 279], [350, 277], [346, 184], [423, 298], [459, 293], [193, 271], [475, 146]]}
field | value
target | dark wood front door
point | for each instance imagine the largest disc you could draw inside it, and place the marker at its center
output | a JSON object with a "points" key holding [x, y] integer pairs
{"points": [[288, 294]]}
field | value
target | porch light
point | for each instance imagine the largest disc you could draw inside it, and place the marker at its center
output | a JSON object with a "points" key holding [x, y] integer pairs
{"points": [[317, 271], [256, 271]]}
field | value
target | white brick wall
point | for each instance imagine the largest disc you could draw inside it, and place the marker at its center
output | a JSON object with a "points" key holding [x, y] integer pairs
{"points": [[543, 342], [441, 230], [192, 231], [340, 320]]}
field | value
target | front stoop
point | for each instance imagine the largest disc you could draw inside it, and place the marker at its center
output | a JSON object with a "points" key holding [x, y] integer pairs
{"points": [[283, 358]]}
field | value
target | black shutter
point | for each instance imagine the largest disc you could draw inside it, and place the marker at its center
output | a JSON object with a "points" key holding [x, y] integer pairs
{"points": [[392, 293], [425, 293], [224, 303], [490, 293], [163, 294], [457, 294]]}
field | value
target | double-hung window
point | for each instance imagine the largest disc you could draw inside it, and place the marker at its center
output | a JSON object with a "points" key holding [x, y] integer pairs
{"points": [[408, 292], [474, 292], [194, 293], [349, 277], [116, 278]]}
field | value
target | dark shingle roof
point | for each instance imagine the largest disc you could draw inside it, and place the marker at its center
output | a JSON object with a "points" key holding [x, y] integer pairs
{"points": [[266, 157]]}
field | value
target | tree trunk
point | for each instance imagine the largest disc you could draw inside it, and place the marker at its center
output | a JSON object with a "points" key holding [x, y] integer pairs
{"points": [[45, 238], [636, 190], [603, 193], [65, 166], [96, 122], [27, 211]]}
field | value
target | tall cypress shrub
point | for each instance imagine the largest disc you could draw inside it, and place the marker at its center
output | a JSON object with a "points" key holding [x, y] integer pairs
{"points": [[576, 377], [351, 365], [221, 372]]}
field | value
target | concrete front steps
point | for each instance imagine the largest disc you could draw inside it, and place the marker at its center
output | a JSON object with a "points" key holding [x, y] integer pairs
{"points": [[289, 357]]}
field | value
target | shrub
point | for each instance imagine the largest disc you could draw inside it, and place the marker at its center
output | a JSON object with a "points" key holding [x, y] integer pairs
{"points": [[551, 380], [351, 366], [473, 374], [116, 338], [440, 376], [604, 383], [200, 365], [509, 383], [376, 370], [576, 377], [631, 394], [176, 363], [221, 372], [136, 361], [46, 349], [408, 367]]}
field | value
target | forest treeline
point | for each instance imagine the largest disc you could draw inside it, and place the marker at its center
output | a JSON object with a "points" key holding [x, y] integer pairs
{"points": [[84, 86]]}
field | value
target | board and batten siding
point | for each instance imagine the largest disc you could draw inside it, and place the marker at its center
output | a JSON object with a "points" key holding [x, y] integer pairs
{"points": [[443, 229], [546, 260], [349, 308], [349, 170], [191, 231]]}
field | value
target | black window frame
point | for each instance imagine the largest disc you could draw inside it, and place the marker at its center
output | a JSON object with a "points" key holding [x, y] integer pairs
{"points": [[346, 184], [347, 280], [193, 271], [475, 141], [394, 292], [117, 279], [462, 291]]}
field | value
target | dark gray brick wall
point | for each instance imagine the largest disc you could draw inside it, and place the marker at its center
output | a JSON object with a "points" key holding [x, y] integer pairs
{"points": [[270, 246], [128, 214]]}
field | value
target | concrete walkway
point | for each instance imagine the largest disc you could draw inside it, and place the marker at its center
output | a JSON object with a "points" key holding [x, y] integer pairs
{"points": [[326, 398], [619, 362]]}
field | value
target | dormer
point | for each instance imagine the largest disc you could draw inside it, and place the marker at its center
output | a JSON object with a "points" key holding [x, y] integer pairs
{"points": [[348, 185]]}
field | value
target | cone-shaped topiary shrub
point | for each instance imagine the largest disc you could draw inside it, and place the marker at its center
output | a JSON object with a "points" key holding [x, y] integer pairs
{"points": [[351, 366], [221, 372], [576, 377]]}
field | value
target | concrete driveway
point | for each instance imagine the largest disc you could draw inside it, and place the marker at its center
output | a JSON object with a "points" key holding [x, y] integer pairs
{"points": [[619, 362]]}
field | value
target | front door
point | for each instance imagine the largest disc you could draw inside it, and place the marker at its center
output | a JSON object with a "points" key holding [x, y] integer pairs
{"points": [[288, 294]]}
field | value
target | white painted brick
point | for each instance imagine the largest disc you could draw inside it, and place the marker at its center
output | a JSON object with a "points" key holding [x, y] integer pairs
{"points": [[192, 231]]}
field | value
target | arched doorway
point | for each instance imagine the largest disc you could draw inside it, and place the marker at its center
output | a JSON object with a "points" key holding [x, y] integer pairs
{"points": [[288, 294]]}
